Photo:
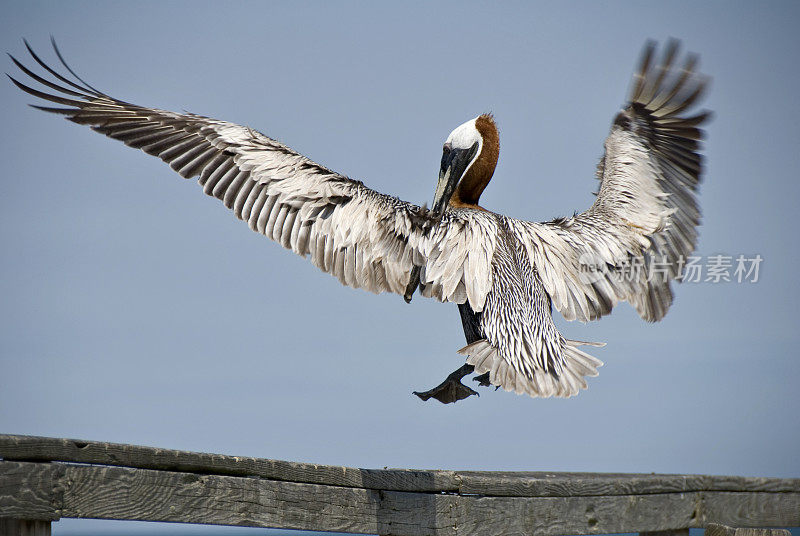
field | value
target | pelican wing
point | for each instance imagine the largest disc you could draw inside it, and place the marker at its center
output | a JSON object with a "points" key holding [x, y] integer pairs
{"points": [[366, 239], [635, 238]]}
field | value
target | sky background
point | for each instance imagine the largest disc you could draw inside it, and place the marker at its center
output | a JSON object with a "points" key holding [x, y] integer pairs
{"points": [[137, 310]]}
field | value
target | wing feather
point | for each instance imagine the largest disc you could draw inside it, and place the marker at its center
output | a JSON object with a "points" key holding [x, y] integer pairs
{"points": [[636, 236], [364, 238]]}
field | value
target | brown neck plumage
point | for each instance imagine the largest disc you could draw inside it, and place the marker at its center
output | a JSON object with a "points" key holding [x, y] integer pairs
{"points": [[472, 184]]}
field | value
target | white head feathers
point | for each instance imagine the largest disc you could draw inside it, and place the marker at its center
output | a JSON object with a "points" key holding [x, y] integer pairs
{"points": [[465, 136]]}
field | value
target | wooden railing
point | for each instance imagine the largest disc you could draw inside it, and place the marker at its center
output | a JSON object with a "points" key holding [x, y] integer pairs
{"points": [[45, 479]]}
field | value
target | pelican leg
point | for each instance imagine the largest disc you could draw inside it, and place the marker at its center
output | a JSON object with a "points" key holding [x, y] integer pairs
{"points": [[471, 322], [451, 389]]}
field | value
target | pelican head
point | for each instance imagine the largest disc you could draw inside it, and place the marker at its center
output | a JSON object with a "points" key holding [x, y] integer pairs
{"points": [[468, 161]]}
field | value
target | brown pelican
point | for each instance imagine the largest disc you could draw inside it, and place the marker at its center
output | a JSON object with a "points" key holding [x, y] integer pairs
{"points": [[505, 274]]}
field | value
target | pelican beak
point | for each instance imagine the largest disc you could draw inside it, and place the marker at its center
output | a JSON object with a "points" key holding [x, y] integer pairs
{"points": [[455, 162]]}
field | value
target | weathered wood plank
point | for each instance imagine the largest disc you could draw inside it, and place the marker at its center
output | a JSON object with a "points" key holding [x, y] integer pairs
{"points": [[502, 484], [533, 484], [24, 527], [124, 493], [714, 529], [530, 484], [755, 510], [498, 516], [109, 492], [28, 491], [143, 494], [29, 448]]}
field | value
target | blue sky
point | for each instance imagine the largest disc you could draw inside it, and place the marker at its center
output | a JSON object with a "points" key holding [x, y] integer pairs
{"points": [[137, 310]]}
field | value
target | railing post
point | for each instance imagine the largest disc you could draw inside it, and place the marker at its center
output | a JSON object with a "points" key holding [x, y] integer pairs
{"points": [[676, 532], [23, 527]]}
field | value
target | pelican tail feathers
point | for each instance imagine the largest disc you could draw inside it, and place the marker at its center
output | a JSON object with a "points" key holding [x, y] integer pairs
{"points": [[578, 365]]}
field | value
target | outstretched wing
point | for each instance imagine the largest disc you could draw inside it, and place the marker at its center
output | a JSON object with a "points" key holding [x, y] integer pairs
{"points": [[635, 238], [366, 239]]}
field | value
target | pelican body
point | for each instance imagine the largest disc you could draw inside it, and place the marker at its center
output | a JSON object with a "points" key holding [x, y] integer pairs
{"points": [[505, 274]]}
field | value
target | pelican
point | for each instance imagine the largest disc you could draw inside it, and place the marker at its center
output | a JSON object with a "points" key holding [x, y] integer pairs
{"points": [[505, 274]]}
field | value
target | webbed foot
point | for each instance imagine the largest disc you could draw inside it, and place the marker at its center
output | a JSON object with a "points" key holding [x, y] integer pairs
{"points": [[451, 389], [483, 380]]}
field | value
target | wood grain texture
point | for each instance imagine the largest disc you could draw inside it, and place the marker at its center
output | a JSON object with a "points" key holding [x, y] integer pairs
{"points": [[491, 483], [574, 515], [28, 448], [142, 494], [24, 527], [714, 529], [754, 510], [150, 484], [123, 493], [29, 491], [107, 492], [522, 484]]}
